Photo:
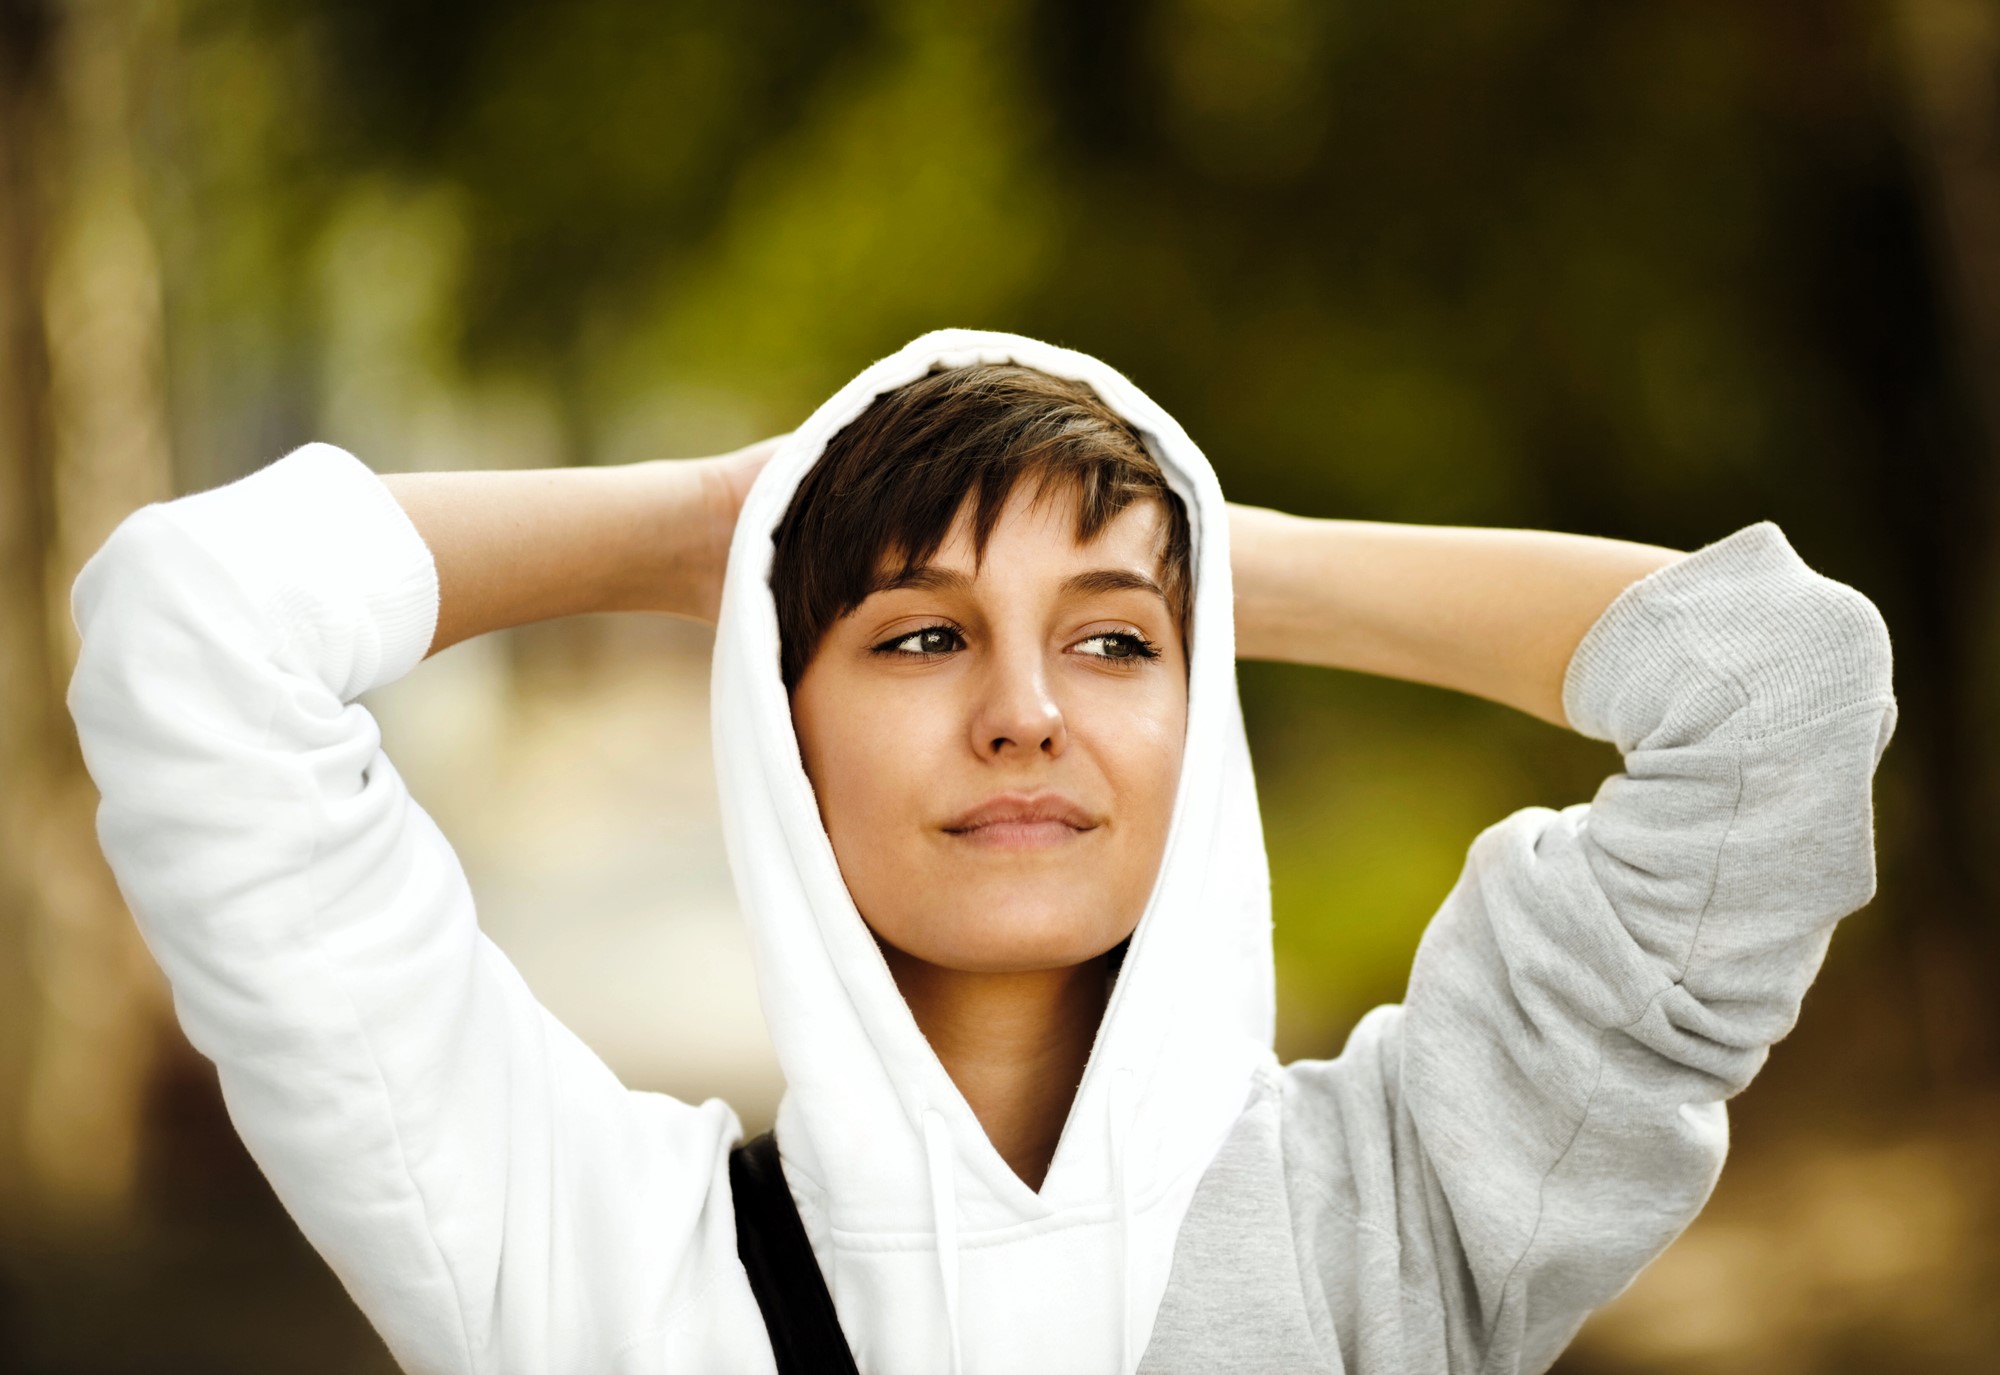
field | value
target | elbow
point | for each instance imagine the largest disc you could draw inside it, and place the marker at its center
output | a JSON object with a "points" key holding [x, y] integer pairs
{"points": [[1869, 645], [1829, 653], [134, 624], [133, 562]]}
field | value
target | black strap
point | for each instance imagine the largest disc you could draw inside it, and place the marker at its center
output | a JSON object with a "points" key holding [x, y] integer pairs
{"points": [[798, 1312]]}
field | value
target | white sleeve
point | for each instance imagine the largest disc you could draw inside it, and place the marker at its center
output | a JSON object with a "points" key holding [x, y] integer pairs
{"points": [[487, 1191]]}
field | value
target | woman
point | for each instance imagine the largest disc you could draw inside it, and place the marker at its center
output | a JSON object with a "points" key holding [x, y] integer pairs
{"points": [[989, 804]]}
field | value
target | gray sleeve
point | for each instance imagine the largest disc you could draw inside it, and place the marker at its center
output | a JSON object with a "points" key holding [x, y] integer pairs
{"points": [[1544, 1113]]}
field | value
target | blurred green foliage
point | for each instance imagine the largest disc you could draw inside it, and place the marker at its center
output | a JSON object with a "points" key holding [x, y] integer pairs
{"points": [[1653, 271]]}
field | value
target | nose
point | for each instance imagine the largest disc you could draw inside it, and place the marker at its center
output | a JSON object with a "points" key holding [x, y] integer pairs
{"points": [[1016, 713]]}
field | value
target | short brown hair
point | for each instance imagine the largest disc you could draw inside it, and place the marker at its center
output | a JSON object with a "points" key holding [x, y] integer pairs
{"points": [[891, 483]]}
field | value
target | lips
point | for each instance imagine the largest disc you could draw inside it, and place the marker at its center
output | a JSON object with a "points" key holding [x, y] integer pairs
{"points": [[1014, 820]]}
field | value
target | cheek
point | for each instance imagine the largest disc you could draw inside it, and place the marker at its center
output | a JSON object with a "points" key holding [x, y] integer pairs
{"points": [[1138, 740], [874, 760], [870, 755]]}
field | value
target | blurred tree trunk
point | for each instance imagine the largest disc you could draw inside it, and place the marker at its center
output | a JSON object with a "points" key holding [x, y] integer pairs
{"points": [[83, 442], [27, 720], [1950, 52]]}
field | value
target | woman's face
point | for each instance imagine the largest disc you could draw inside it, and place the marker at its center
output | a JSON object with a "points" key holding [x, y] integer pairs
{"points": [[995, 749]]}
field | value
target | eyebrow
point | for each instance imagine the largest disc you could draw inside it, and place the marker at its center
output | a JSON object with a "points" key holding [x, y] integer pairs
{"points": [[930, 578]]}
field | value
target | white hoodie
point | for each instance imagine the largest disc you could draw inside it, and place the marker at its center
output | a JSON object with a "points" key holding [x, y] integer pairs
{"points": [[938, 1256], [1478, 1168]]}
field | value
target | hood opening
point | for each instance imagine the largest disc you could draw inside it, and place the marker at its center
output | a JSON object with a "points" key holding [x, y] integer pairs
{"points": [[931, 1244]]}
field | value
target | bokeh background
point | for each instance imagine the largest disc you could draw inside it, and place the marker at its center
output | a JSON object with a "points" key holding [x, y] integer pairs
{"points": [[1650, 270]]}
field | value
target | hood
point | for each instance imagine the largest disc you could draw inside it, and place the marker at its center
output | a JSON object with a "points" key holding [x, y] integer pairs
{"points": [[938, 1256]]}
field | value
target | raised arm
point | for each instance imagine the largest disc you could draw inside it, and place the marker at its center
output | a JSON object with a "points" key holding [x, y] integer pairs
{"points": [[1544, 1112], [1496, 613], [513, 547], [490, 1195]]}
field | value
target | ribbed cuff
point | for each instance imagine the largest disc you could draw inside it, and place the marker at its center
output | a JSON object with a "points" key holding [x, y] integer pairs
{"points": [[325, 549], [1738, 640]]}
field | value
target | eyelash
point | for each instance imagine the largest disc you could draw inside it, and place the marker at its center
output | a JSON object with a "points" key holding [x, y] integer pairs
{"points": [[1142, 648]]}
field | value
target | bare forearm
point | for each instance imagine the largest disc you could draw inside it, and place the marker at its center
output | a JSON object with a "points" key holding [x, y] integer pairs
{"points": [[519, 546], [1493, 612]]}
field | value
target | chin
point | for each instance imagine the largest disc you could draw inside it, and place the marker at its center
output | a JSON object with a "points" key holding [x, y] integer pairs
{"points": [[1014, 937]]}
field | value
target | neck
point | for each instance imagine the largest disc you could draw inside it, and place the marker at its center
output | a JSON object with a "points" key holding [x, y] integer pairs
{"points": [[1014, 1043]]}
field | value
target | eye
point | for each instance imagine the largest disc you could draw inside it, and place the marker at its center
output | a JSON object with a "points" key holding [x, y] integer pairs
{"points": [[929, 642], [1118, 645]]}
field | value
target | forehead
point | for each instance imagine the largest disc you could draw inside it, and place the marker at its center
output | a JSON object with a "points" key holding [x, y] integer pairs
{"points": [[1039, 538], [1041, 524]]}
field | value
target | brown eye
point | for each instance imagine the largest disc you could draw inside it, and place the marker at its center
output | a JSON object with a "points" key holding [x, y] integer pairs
{"points": [[931, 640], [1118, 645]]}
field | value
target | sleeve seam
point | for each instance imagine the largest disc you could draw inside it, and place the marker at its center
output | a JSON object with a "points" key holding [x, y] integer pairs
{"points": [[1335, 1207], [1685, 627], [1508, 1286], [1878, 702], [1739, 749], [277, 639], [679, 1311], [1285, 1178], [375, 1064]]}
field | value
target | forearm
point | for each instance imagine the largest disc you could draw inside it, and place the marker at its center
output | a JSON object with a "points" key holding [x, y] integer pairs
{"points": [[518, 546], [1492, 612]]}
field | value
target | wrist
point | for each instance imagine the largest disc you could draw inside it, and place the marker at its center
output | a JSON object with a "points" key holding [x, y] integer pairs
{"points": [[682, 533], [1263, 563]]}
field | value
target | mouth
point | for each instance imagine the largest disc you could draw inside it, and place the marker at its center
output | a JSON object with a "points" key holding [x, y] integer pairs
{"points": [[1022, 821]]}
